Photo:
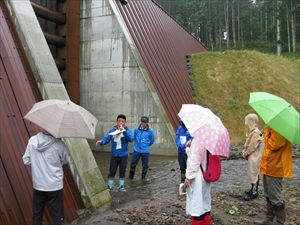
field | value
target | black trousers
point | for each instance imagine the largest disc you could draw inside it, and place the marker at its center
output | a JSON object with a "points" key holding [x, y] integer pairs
{"points": [[56, 202], [182, 158]]}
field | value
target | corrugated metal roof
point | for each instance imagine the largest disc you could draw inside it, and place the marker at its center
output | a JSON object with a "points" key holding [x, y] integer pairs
{"points": [[163, 45], [18, 92]]}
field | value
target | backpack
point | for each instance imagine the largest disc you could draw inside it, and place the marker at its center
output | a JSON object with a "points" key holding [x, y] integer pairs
{"points": [[214, 168]]}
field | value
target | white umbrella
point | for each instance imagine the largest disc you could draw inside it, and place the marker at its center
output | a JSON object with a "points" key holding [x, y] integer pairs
{"points": [[63, 119]]}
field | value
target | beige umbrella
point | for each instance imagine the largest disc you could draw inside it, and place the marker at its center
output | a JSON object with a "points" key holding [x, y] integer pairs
{"points": [[63, 118]]}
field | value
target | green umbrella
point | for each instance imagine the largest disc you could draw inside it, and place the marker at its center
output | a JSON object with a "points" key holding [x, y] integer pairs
{"points": [[278, 114]]}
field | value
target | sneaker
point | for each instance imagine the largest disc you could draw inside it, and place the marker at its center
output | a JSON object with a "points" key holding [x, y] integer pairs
{"points": [[250, 196], [109, 188], [122, 189]]}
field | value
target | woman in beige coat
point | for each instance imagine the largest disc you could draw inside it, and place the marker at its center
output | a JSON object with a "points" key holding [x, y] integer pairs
{"points": [[253, 149]]}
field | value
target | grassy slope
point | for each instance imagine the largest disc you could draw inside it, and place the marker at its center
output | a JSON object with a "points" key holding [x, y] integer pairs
{"points": [[225, 80]]}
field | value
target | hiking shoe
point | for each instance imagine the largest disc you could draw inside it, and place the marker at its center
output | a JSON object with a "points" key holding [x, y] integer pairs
{"points": [[250, 196], [122, 189]]}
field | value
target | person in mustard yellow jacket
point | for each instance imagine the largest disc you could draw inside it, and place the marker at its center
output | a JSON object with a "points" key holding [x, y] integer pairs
{"points": [[276, 164]]}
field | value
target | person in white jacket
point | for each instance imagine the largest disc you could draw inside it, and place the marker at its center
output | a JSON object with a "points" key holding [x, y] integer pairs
{"points": [[198, 199], [46, 155]]}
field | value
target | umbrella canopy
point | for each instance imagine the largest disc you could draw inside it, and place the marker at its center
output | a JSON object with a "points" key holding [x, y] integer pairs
{"points": [[278, 114], [63, 118], [206, 128]]}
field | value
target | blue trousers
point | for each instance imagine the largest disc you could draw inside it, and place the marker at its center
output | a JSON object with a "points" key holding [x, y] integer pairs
{"points": [[116, 162], [136, 157], [56, 202]]}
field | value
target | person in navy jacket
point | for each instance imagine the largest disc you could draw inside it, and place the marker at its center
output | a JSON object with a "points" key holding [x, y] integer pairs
{"points": [[182, 138], [120, 135], [143, 138]]}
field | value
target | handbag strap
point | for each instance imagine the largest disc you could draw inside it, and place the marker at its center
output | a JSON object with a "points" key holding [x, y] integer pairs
{"points": [[207, 159]]}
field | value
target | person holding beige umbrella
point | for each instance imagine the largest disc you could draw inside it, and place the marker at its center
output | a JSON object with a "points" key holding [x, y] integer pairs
{"points": [[46, 153]]}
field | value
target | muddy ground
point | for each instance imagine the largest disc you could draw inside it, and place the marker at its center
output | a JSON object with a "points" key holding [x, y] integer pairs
{"points": [[228, 206]]}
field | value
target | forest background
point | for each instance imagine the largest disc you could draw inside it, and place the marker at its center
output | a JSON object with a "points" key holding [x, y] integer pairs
{"points": [[268, 26], [247, 60]]}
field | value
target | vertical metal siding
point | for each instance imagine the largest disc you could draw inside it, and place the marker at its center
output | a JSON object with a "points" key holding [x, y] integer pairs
{"points": [[163, 45], [18, 92]]}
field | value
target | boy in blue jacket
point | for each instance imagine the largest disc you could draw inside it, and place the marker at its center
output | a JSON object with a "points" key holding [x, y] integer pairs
{"points": [[182, 138], [143, 139], [120, 135]]}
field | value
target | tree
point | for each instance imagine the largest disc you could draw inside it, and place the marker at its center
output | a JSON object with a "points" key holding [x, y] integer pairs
{"points": [[233, 23], [279, 46]]}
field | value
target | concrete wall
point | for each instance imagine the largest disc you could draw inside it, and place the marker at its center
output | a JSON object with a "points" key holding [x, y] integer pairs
{"points": [[83, 165], [113, 79]]}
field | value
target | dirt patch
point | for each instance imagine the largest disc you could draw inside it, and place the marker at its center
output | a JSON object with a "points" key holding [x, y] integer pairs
{"points": [[171, 210], [228, 207]]}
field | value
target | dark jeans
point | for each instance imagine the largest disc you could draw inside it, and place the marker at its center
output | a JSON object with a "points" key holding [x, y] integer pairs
{"points": [[136, 157], [116, 162], [56, 202], [182, 158]]}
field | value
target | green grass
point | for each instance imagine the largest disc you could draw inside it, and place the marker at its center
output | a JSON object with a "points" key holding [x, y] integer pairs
{"points": [[225, 80]]}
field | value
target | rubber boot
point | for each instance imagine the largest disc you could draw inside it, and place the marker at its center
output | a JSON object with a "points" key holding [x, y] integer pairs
{"points": [[269, 215], [207, 219], [196, 222], [182, 177], [110, 184], [131, 173], [249, 192], [144, 173], [279, 213], [121, 185], [253, 193], [256, 187]]}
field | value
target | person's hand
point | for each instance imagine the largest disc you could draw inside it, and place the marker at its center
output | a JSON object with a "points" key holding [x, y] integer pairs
{"points": [[121, 127], [98, 143], [188, 144], [245, 156], [187, 183]]}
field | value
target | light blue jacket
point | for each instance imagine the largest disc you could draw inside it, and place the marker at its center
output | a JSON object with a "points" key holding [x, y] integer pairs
{"points": [[127, 137], [143, 139]]}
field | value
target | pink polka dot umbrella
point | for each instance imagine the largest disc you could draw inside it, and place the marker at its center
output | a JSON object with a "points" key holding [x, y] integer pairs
{"points": [[206, 128]]}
